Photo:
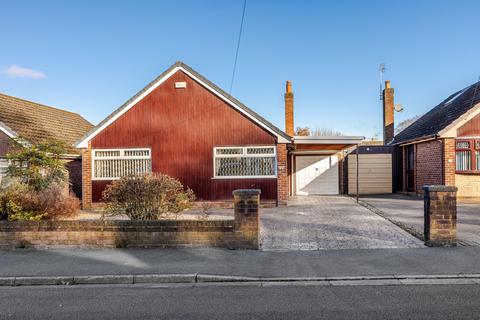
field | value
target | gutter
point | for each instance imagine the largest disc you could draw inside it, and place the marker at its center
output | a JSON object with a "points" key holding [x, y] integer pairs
{"points": [[418, 140]]}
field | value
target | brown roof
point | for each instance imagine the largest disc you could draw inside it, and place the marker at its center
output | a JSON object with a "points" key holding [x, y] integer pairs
{"points": [[36, 122]]}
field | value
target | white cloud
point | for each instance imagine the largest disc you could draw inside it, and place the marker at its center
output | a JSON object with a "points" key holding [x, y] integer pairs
{"points": [[15, 71]]}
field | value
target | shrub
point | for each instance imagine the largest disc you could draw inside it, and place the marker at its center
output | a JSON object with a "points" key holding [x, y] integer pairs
{"points": [[19, 201], [147, 196], [37, 165]]}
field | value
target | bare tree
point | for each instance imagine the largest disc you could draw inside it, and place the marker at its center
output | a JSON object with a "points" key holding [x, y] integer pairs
{"points": [[302, 131], [326, 132]]}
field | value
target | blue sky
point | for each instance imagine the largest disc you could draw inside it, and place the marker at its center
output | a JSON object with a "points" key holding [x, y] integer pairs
{"points": [[91, 56]]}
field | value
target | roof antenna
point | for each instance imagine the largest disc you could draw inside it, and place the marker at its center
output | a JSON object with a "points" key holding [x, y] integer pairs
{"points": [[382, 68]]}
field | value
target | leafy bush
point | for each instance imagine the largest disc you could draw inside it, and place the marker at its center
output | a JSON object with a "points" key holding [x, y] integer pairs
{"points": [[19, 201], [147, 196], [37, 165]]}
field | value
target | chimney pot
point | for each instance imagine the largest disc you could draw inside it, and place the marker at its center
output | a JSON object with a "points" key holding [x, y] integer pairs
{"points": [[387, 84], [289, 86]]}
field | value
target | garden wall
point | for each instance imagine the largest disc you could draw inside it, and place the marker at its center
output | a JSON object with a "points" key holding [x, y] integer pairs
{"points": [[241, 232]]}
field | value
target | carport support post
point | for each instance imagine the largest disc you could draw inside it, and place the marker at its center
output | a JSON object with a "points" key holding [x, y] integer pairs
{"points": [[356, 152], [440, 215]]}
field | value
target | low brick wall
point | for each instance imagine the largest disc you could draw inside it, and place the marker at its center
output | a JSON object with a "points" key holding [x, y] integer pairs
{"points": [[241, 232]]}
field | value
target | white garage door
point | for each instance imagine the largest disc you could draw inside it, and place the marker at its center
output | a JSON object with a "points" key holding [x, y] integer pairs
{"points": [[316, 175]]}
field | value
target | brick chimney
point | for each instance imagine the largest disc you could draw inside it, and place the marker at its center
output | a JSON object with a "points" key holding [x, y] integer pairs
{"points": [[289, 124], [388, 106]]}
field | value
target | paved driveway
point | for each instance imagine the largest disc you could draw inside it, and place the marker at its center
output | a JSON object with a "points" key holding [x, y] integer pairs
{"points": [[329, 222], [409, 211]]}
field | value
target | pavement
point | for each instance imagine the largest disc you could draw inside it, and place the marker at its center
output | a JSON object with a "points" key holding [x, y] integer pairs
{"points": [[408, 210], [276, 301], [244, 263], [329, 222]]}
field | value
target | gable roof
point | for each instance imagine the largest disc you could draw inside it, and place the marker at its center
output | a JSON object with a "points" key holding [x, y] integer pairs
{"points": [[282, 136], [35, 122], [441, 116]]}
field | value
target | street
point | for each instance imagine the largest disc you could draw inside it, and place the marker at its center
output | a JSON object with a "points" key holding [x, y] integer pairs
{"points": [[241, 301]]}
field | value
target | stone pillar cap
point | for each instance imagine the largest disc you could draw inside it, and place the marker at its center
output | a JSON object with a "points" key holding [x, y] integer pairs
{"points": [[441, 188], [247, 192]]}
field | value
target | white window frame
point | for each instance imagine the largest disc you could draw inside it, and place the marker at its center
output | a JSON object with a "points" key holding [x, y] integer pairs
{"points": [[244, 155], [121, 157]]}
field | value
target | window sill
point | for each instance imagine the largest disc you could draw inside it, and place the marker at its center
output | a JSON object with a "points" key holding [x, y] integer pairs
{"points": [[468, 172], [244, 177]]}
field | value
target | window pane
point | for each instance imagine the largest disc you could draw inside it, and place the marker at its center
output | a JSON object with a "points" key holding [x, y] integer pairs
{"points": [[477, 154], [230, 151], [463, 160], [116, 168], [463, 145], [110, 153], [477, 144], [245, 166], [266, 150], [137, 153]]}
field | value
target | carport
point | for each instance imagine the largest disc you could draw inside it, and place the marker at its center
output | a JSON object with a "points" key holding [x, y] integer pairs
{"points": [[315, 163]]}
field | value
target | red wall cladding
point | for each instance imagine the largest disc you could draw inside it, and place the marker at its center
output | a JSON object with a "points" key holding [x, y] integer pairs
{"points": [[182, 126], [471, 128]]}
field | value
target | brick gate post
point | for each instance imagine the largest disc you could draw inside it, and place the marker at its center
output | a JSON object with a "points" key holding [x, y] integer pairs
{"points": [[440, 215], [246, 208]]}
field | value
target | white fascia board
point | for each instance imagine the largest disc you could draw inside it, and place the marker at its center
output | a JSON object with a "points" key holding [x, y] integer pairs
{"points": [[9, 132], [328, 139], [450, 131], [84, 142]]}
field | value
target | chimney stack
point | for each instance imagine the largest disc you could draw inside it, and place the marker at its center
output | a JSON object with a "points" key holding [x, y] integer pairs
{"points": [[289, 124], [388, 113]]}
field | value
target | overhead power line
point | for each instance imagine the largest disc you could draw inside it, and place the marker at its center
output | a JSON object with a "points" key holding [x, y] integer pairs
{"points": [[238, 46]]}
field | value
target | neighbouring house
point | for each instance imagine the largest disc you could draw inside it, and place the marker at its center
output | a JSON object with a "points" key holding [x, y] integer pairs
{"points": [[183, 125], [441, 147], [33, 122]]}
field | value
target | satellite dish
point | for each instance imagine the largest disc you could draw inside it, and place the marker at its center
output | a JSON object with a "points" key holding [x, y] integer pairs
{"points": [[398, 108]]}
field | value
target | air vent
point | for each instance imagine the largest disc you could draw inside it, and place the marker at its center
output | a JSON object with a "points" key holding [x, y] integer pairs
{"points": [[180, 85]]}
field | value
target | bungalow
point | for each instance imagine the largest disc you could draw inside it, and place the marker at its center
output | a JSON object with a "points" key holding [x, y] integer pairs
{"points": [[442, 146], [35, 122], [183, 125]]}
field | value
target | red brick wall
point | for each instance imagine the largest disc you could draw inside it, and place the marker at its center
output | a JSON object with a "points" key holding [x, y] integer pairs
{"points": [[74, 168], [429, 164], [282, 174], [449, 161], [87, 178]]}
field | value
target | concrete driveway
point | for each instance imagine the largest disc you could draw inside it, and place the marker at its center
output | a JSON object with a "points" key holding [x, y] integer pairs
{"points": [[329, 222], [408, 210]]}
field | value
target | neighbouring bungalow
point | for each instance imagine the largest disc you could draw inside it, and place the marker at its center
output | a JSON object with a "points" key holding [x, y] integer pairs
{"points": [[441, 147], [183, 125], [33, 123]]}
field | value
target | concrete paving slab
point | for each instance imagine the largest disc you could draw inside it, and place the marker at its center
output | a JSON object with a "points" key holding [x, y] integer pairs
{"points": [[329, 222], [408, 210]]}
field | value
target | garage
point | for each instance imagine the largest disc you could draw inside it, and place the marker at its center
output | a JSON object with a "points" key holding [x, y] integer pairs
{"points": [[316, 174]]}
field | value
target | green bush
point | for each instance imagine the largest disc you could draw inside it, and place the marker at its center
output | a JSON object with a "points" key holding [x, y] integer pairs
{"points": [[147, 196], [21, 202]]}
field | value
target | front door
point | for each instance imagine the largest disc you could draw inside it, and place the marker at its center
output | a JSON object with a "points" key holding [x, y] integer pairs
{"points": [[410, 168], [316, 174]]}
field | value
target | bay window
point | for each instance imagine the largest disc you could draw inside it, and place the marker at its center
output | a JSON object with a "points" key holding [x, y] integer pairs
{"points": [[467, 155], [244, 162], [110, 164]]}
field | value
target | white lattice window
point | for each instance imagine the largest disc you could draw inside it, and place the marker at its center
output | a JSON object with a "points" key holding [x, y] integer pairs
{"points": [[244, 162], [115, 163]]}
